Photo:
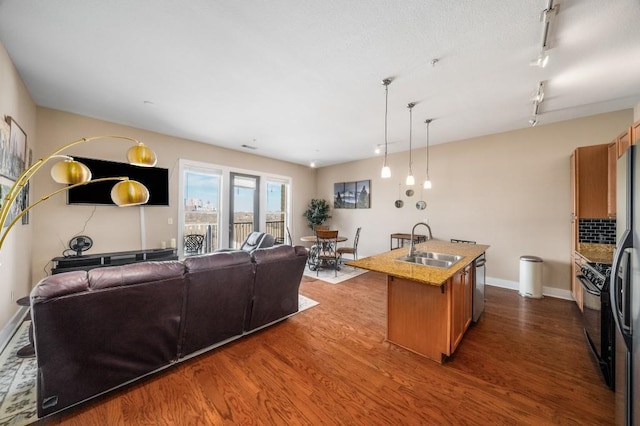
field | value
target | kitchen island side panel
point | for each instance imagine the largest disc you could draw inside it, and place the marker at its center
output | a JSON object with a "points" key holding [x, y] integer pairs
{"points": [[417, 317]]}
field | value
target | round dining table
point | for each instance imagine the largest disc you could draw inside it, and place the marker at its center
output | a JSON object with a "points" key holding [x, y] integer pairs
{"points": [[313, 239], [313, 261]]}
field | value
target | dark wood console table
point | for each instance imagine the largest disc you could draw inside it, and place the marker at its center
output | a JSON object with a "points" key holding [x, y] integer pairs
{"points": [[401, 238], [90, 261]]}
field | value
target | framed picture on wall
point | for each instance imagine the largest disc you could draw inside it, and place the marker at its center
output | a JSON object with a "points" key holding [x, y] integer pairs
{"points": [[16, 208], [24, 194], [363, 189], [13, 149], [338, 194], [352, 195]]}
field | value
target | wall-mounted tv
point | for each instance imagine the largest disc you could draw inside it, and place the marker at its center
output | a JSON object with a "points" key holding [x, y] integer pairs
{"points": [[156, 179]]}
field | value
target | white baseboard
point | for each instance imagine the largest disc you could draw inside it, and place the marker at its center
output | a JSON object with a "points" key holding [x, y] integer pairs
{"points": [[514, 285], [10, 328]]}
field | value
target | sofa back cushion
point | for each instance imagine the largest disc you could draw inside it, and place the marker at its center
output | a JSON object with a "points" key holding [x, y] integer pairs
{"points": [[59, 285], [124, 325], [134, 273], [217, 295], [277, 279]]}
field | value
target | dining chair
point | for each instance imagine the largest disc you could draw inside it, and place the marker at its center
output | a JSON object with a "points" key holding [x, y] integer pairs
{"points": [[455, 240], [320, 227], [327, 254], [353, 251], [193, 243]]}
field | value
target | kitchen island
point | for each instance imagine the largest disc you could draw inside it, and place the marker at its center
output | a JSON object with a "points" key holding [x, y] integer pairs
{"points": [[428, 308]]}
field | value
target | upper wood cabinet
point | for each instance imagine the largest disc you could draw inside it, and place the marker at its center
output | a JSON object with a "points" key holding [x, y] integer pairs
{"points": [[590, 170], [624, 141], [635, 132], [611, 179], [574, 205]]}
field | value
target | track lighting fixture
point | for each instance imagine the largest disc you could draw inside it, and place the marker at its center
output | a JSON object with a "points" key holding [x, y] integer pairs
{"points": [[539, 94], [537, 99], [542, 60], [545, 17]]}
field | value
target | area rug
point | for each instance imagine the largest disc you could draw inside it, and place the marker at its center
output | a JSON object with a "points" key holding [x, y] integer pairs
{"points": [[329, 275], [305, 303], [18, 377], [17, 382]]}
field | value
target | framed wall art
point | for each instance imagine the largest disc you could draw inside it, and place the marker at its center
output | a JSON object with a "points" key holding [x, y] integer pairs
{"points": [[13, 149], [16, 208], [24, 195], [352, 195]]}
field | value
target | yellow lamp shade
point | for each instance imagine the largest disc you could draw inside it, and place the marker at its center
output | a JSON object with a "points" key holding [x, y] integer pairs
{"points": [[129, 193], [70, 172], [142, 155]]}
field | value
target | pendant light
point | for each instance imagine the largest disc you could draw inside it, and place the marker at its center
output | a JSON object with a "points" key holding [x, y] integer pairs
{"points": [[410, 179], [386, 171], [427, 182]]}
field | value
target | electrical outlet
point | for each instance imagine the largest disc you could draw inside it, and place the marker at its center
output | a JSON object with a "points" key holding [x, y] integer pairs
{"points": [[170, 221]]}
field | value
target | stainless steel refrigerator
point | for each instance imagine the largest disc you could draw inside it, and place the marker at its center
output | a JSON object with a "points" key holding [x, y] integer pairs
{"points": [[625, 290]]}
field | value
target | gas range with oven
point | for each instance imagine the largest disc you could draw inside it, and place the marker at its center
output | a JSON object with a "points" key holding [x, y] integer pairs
{"points": [[597, 316]]}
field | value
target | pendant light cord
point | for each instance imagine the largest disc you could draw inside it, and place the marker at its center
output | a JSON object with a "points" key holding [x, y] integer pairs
{"points": [[428, 121], [410, 106], [386, 110]]}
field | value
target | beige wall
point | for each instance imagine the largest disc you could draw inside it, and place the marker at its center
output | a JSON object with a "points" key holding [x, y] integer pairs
{"points": [[114, 228], [509, 190], [15, 265]]}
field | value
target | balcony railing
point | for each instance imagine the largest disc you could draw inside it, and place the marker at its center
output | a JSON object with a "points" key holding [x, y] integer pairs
{"points": [[240, 232]]}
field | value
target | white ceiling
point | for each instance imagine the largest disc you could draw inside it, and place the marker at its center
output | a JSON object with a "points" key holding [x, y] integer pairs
{"points": [[301, 80]]}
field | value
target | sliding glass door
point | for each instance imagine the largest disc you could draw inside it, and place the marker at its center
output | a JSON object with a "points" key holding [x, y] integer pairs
{"points": [[201, 189], [220, 207], [277, 208], [244, 208]]}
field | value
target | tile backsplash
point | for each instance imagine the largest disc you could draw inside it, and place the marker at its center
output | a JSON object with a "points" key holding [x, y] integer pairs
{"points": [[597, 231]]}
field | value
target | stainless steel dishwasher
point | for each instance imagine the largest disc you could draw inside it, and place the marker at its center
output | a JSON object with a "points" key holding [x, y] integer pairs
{"points": [[478, 286]]}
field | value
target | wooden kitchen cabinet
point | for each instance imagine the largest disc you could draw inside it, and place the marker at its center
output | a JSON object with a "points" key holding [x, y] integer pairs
{"points": [[461, 304], [427, 319], [574, 205], [635, 132], [624, 141], [611, 179], [590, 169]]}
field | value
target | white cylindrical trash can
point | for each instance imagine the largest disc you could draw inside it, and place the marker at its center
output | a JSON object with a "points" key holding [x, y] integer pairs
{"points": [[530, 276]]}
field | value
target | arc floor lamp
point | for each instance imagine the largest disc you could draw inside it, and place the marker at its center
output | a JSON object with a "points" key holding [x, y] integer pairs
{"points": [[73, 173]]}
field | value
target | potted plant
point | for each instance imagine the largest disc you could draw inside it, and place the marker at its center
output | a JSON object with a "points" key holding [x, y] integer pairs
{"points": [[317, 212]]}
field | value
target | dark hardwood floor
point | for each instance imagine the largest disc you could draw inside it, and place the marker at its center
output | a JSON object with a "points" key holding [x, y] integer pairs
{"points": [[525, 362]]}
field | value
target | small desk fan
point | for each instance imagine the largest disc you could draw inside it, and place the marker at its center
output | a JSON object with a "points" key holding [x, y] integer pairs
{"points": [[80, 243]]}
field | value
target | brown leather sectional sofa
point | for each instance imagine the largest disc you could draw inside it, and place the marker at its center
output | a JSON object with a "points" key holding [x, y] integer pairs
{"points": [[98, 330]]}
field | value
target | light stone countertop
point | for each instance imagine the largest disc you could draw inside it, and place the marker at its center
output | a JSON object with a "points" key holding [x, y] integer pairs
{"points": [[600, 253], [386, 263]]}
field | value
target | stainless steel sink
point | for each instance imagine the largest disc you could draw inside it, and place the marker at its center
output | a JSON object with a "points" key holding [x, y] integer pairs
{"points": [[438, 260]]}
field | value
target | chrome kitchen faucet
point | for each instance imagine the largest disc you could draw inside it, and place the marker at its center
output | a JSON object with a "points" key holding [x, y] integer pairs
{"points": [[411, 244]]}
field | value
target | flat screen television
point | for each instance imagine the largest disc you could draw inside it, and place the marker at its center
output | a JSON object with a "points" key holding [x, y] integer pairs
{"points": [[156, 179]]}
